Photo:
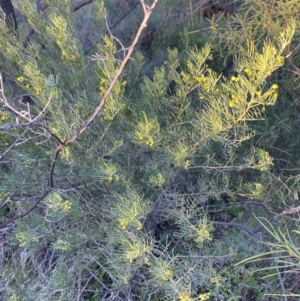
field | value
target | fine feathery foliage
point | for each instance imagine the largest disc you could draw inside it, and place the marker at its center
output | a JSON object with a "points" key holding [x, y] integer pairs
{"points": [[128, 177]]}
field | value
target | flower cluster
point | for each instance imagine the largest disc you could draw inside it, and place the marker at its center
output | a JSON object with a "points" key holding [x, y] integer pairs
{"points": [[129, 211], [62, 245], [184, 296], [20, 79], [203, 232], [145, 131], [57, 204], [37, 87], [178, 155], [134, 250], [4, 116], [234, 79]]}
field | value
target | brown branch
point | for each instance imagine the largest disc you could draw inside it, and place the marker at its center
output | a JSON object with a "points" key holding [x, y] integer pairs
{"points": [[27, 212], [35, 197], [236, 225], [292, 210], [12, 145], [28, 125], [148, 10], [80, 4]]}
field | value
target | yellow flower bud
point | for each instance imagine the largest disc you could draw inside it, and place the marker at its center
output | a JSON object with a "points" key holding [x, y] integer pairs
{"points": [[20, 79], [248, 72], [234, 79]]}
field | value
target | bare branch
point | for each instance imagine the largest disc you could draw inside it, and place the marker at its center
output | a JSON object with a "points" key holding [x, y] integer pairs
{"points": [[27, 212], [12, 145], [249, 231], [28, 125], [81, 4]]}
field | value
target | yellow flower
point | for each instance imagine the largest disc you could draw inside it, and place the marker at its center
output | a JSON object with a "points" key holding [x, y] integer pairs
{"points": [[203, 297], [203, 233], [38, 90], [198, 79], [234, 79], [280, 60], [168, 274], [150, 142], [65, 206], [274, 87], [139, 136], [231, 104], [20, 79], [258, 93], [184, 297], [187, 164], [248, 72], [122, 224], [35, 239]]}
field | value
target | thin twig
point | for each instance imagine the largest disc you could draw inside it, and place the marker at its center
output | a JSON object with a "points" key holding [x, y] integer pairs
{"points": [[12, 145], [26, 212], [236, 225], [27, 125], [80, 4]]}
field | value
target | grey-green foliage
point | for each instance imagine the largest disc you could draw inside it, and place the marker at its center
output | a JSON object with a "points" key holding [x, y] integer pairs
{"points": [[124, 218]]}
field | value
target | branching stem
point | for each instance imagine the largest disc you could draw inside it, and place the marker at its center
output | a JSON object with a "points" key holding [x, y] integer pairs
{"points": [[148, 12]]}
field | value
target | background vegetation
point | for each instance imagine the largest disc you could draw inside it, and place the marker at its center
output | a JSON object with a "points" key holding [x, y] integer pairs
{"points": [[147, 162]]}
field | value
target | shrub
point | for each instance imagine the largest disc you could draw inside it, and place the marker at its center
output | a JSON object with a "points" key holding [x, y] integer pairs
{"points": [[109, 175]]}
